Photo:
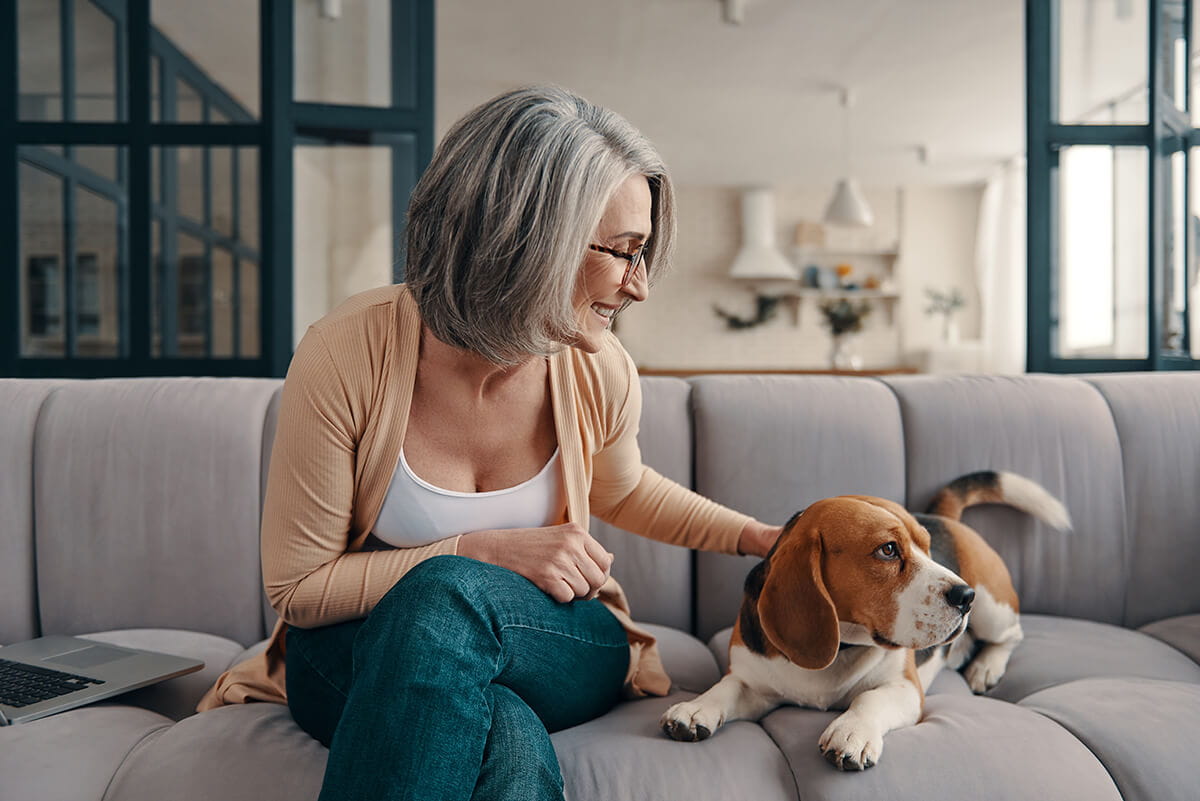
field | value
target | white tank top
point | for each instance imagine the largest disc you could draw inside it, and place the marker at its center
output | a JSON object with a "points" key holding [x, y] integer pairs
{"points": [[416, 512]]}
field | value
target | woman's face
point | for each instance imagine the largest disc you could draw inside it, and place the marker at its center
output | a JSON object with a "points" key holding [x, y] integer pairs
{"points": [[599, 294]]}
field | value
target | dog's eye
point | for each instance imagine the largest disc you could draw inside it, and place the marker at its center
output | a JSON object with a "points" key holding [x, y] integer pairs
{"points": [[888, 552]]}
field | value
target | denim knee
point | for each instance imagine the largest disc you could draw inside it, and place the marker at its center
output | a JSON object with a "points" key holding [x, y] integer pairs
{"points": [[437, 577]]}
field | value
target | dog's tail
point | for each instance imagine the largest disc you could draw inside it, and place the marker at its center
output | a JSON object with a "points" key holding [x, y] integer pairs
{"points": [[1010, 489]]}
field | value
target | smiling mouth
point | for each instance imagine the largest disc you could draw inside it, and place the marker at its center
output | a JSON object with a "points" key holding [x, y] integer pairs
{"points": [[607, 312]]}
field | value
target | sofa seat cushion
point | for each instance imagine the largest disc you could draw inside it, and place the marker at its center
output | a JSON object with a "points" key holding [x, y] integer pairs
{"points": [[1144, 731], [73, 755], [1057, 650], [244, 752], [1181, 632], [175, 698], [625, 754], [964, 747], [687, 661]]}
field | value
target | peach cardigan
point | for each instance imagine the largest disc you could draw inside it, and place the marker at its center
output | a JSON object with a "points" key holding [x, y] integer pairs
{"points": [[342, 420]]}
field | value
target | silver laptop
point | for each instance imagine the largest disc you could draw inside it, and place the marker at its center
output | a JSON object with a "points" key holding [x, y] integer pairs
{"points": [[52, 674]]}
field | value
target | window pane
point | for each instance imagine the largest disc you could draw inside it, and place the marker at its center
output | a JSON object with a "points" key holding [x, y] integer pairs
{"points": [[100, 160], [39, 32], [343, 226], [1103, 57], [248, 306], [189, 183], [189, 107], [191, 297], [96, 55], [222, 47], [1174, 292], [1193, 252], [345, 60], [247, 171], [222, 303], [221, 169], [42, 263], [98, 269], [1173, 53], [157, 291], [156, 100], [1102, 287]]}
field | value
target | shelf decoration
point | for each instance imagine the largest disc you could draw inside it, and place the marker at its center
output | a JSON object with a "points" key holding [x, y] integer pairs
{"points": [[844, 319], [766, 306], [946, 304]]}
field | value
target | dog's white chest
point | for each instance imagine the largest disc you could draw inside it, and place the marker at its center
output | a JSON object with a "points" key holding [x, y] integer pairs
{"points": [[831, 688]]}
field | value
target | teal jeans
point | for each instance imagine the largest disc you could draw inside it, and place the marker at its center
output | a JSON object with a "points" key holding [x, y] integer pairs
{"points": [[450, 687]]}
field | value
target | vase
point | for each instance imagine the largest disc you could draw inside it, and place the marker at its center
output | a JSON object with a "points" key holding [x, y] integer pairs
{"points": [[843, 353], [949, 329]]}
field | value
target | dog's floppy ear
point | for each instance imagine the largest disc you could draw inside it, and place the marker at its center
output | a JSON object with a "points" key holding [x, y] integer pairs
{"points": [[794, 608]]}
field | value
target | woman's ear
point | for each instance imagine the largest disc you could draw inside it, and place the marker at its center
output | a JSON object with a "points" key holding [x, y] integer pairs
{"points": [[794, 608]]}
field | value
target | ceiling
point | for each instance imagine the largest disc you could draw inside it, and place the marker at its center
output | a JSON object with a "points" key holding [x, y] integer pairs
{"points": [[756, 103]]}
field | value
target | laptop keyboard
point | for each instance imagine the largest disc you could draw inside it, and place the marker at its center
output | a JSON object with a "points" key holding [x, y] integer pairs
{"points": [[22, 684]]}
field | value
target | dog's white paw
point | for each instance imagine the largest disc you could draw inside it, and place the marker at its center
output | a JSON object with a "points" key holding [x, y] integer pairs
{"points": [[982, 675], [690, 721], [849, 743], [987, 668]]}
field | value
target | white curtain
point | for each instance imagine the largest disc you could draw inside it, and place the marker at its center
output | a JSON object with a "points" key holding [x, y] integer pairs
{"points": [[1000, 269]]}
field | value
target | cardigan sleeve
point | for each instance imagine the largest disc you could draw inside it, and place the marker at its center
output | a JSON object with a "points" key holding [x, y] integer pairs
{"points": [[637, 498], [310, 576]]}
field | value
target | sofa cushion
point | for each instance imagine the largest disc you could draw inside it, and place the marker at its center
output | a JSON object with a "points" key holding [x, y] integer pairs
{"points": [[770, 445], [1144, 731], [624, 754], [962, 748], [1158, 420], [73, 755], [1182, 633], [1055, 430], [688, 661], [1060, 650], [22, 402], [147, 506], [175, 698], [244, 752], [657, 577]]}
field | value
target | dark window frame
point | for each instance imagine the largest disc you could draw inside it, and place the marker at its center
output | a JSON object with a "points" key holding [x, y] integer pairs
{"points": [[1166, 131], [273, 135]]}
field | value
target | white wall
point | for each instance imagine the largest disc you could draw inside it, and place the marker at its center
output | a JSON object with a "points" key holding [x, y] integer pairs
{"points": [[678, 329], [938, 233]]}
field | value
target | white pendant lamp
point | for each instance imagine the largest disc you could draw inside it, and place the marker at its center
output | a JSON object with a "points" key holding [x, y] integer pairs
{"points": [[848, 207], [758, 257]]}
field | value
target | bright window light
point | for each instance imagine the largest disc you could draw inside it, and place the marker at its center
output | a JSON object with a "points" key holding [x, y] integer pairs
{"points": [[1086, 272]]}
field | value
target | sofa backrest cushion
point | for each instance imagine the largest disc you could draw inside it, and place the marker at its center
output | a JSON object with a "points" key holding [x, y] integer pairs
{"points": [[657, 577], [1158, 420], [146, 505], [22, 402], [1056, 430], [769, 446]]}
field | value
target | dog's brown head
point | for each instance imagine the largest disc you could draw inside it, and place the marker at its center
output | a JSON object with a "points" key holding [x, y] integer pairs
{"points": [[857, 569]]}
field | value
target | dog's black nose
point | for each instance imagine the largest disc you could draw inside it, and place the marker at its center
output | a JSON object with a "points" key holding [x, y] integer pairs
{"points": [[960, 596]]}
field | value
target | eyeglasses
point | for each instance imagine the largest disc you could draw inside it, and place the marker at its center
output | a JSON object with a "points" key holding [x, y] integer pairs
{"points": [[635, 259]]}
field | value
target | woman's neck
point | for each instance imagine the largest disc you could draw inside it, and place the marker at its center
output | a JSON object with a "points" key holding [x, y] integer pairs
{"points": [[468, 367]]}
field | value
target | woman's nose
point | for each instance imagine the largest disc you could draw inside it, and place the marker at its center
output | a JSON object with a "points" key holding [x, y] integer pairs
{"points": [[638, 287]]}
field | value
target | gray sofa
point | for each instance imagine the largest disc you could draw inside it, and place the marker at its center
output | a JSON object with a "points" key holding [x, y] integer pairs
{"points": [[129, 508]]}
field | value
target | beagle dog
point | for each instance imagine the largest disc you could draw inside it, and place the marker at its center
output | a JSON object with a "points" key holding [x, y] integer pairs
{"points": [[859, 605]]}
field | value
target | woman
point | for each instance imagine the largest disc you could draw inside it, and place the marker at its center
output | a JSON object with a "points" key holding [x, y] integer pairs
{"points": [[441, 445]]}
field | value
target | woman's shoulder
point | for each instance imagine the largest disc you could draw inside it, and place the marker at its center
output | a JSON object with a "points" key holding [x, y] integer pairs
{"points": [[371, 308], [605, 374]]}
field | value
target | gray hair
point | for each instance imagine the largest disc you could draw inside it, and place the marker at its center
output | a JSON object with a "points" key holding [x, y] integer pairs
{"points": [[500, 221]]}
